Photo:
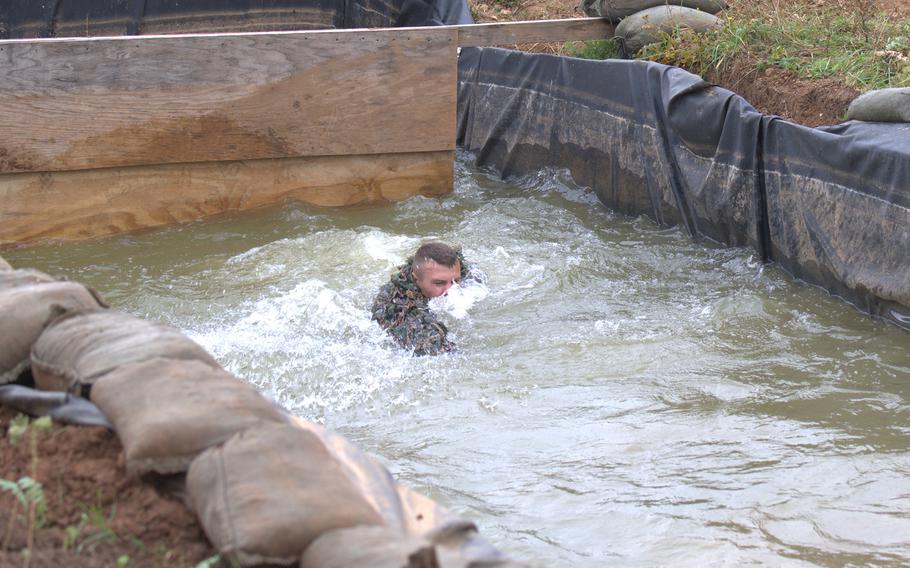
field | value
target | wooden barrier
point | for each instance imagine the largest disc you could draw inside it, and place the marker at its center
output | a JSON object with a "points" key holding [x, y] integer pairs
{"points": [[104, 135], [509, 33], [90, 203], [99, 136], [93, 103]]}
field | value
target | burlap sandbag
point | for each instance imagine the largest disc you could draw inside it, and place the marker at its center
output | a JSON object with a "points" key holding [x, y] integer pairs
{"points": [[371, 478], [22, 277], [267, 493], [384, 547], [24, 312], [167, 411], [4, 266], [402, 509], [616, 10], [369, 547], [882, 105], [642, 28], [81, 347]]}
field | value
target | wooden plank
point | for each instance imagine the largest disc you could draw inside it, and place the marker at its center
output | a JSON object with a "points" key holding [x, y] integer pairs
{"points": [[90, 203], [81, 103], [508, 33]]}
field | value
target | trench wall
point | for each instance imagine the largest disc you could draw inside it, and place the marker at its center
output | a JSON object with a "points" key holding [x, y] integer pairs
{"points": [[830, 205]]}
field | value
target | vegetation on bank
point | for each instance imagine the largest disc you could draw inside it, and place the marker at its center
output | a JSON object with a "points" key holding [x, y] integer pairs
{"points": [[848, 40]]}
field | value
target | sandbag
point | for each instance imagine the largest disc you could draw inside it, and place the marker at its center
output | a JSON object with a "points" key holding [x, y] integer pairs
{"points": [[384, 547], [644, 27], [22, 277], [167, 411], [371, 478], [591, 8], [616, 10], [264, 495], [401, 508], [369, 547], [81, 347], [24, 312], [882, 105], [4, 266]]}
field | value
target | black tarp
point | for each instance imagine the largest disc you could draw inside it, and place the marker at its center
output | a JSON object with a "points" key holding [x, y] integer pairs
{"points": [[61, 406], [68, 18], [829, 205]]}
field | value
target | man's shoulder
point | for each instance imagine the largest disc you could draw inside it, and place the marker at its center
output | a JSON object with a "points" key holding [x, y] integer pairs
{"points": [[385, 291]]}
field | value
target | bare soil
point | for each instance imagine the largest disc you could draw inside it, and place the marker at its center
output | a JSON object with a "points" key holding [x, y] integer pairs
{"points": [[811, 102], [81, 471]]}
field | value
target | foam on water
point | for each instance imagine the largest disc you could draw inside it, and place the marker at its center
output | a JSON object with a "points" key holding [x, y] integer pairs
{"points": [[461, 297]]}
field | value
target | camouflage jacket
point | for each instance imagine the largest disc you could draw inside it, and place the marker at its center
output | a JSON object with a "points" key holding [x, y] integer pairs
{"points": [[401, 309]]}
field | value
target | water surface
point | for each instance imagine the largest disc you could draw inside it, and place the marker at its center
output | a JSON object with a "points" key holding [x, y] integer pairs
{"points": [[622, 395]]}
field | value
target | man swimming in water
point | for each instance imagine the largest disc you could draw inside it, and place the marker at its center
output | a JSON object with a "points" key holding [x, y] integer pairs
{"points": [[401, 306]]}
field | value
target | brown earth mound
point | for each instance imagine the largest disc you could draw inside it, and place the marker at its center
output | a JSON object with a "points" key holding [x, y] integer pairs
{"points": [[811, 102], [96, 515]]}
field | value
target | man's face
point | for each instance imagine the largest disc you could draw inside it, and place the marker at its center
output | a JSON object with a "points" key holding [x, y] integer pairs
{"points": [[434, 279]]}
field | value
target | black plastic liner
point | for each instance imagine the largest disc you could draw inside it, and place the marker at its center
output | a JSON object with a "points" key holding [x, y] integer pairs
{"points": [[68, 18], [829, 205], [60, 406]]}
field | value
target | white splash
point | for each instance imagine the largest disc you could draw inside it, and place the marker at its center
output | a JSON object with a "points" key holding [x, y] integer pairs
{"points": [[381, 246], [461, 297]]}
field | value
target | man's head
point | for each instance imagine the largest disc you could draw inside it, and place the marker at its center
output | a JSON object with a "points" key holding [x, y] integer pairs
{"points": [[436, 267]]}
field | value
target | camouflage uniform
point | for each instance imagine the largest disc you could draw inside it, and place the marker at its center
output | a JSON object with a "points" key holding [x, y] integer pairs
{"points": [[401, 309]]}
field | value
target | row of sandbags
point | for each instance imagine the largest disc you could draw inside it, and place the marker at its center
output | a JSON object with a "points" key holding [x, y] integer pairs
{"points": [[641, 22], [268, 488]]}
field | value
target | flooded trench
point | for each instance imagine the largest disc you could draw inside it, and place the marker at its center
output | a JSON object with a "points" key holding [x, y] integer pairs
{"points": [[622, 395]]}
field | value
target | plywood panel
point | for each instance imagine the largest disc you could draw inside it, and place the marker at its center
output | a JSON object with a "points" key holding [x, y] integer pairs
{"points": [[70, 104], [90, 203], [508, 33]]}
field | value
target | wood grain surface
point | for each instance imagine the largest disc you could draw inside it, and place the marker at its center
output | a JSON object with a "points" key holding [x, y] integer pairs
{"points": [[85, 103], [508, 33], [81, 204]]}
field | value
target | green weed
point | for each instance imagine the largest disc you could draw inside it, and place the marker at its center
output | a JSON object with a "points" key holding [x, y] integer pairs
{"points": [[18, 426], [94, 518], [27, 492], [210, 562], [594, 49]]}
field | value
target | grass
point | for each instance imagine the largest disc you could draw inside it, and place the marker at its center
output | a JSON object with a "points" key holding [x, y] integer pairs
{"points": [[92, 520], [594, 49], [847, 40], [27, 491]]}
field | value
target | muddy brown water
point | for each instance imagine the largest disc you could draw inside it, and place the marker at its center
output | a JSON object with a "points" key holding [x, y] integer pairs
{"points": [[622, 394]]}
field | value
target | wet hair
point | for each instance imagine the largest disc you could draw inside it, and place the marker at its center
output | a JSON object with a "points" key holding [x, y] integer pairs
{"points": [[438, 252]]}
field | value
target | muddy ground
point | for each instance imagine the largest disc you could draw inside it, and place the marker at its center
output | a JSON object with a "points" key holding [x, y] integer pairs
{"points": [[96, 515]]}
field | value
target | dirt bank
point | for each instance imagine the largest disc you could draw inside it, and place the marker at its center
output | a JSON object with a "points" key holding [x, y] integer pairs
{"points": [[812, 102], [96, 515]]}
